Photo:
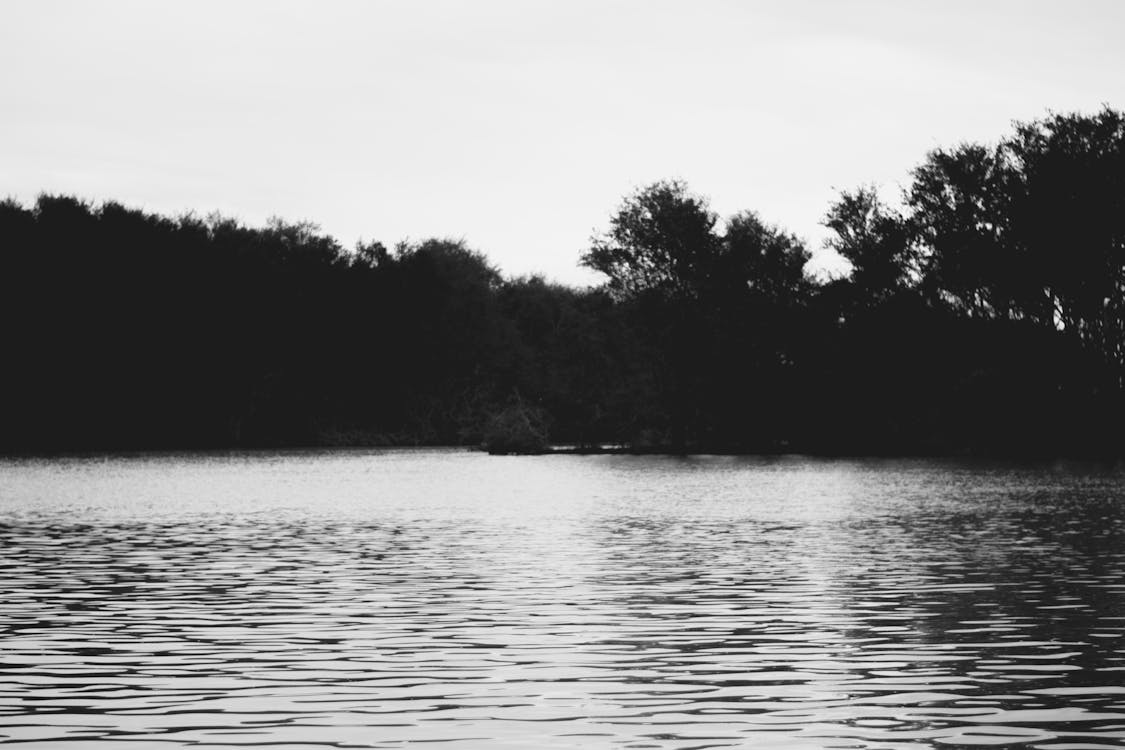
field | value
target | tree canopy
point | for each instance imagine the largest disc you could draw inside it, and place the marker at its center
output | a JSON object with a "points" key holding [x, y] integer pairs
{"points": [[984, 311]]}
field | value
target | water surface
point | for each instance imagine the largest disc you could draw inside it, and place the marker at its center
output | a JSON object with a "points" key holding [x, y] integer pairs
{"points": [[383, 599]]}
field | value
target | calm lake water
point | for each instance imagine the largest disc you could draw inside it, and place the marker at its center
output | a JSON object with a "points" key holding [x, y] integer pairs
{"points": [[382, 599]]}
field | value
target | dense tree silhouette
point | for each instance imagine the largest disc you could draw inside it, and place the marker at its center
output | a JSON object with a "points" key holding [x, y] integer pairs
{"points": [[1013, 252], [877, 242], [985, 315], [661, 241], [1065, 213], [716, 307]]}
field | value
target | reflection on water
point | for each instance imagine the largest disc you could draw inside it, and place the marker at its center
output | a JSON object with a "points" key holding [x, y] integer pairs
{"points": [[374, 600]]}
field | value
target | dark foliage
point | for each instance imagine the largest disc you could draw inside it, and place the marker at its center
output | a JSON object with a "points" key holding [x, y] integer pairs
{"points": [[517, 429], [986, 315]]}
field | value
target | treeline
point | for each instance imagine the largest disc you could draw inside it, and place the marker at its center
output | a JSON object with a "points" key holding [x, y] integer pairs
{"points": [[984, 314]]}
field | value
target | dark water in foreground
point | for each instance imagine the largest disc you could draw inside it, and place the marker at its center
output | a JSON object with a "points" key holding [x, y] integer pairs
{"points": [[376, 600]]}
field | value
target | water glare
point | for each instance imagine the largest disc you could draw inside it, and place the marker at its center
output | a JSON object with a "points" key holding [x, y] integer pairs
{"points": [[370, 600]]}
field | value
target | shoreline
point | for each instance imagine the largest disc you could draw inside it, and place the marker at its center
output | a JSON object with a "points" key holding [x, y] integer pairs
{"points": [[572, 450]]}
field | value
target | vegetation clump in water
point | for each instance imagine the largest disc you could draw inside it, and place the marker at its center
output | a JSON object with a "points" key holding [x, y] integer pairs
{"points": [[517, 429]]}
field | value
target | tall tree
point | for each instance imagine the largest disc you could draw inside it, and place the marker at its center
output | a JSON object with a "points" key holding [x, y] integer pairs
{"points": [[661, 239], [715, 305], [876, 241], [955, 203], [1066, 208]]}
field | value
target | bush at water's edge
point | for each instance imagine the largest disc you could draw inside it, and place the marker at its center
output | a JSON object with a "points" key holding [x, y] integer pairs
{"points": [[517, 429]]}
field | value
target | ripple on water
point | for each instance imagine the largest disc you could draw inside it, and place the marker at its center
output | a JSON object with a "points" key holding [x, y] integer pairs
{"points": [[376, 600]]}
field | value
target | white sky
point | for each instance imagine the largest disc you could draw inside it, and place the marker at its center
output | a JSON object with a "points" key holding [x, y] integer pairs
{"points": [[519, 125]]}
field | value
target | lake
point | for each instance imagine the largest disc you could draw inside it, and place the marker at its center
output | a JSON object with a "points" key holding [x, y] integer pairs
{"points": [[371, 599]]}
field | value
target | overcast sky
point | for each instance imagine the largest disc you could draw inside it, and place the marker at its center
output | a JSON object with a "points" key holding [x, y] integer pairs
{"points": [[519, 125]]}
